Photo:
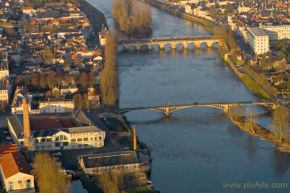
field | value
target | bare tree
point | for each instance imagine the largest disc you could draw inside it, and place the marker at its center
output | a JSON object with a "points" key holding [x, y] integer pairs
{"points": [[48, 174], [250, 120], [280, 123], [109, 76]]}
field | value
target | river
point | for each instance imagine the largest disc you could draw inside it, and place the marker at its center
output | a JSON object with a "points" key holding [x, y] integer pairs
{"points": [[196, 149]]}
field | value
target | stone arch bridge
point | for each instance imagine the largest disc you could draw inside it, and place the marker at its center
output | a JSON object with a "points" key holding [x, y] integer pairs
{"points": [[197, 41], [167, 110]]}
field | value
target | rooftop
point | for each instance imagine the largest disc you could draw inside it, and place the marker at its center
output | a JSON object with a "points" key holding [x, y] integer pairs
{"points": [[105, 159], [47, 125], [258, 31], [11, 161]]}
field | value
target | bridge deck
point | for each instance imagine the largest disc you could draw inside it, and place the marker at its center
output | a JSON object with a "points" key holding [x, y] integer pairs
{"points": [[198, 104], [168, 39]]}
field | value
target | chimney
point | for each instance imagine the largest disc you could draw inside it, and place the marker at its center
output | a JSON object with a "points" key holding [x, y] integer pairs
{"points": [[134, 139], [26, 123]]}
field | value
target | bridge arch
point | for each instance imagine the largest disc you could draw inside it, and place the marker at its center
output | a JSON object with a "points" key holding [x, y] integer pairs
{"points": [[170, 109]]}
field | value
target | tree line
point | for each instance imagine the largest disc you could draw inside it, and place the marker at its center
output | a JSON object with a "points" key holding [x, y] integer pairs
{"points": [[52, 79], [279, 126], [132, 18], [109, 82]]}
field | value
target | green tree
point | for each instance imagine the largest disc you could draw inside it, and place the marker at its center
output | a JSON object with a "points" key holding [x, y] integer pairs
{"points": [[48, 175]]}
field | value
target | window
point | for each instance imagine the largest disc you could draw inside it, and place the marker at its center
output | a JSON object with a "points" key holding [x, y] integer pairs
{"points": [[86, 145], [57, 144], [42, 140], [100, 138], [80, 139], [61, 138], [49, 140], [73, 140], [19, 181], [86, 139]]}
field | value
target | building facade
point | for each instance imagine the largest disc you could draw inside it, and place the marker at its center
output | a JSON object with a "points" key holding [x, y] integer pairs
{"points": [[14, 170], [278, 32], [55, 132], [55, 106], [123, 160], [258, 39]]}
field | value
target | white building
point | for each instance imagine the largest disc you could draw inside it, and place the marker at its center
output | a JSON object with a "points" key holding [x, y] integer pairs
{"points": [[277, 32], [14, 170], [56, 106], [59, 105], [258, 39], [57, 132]]}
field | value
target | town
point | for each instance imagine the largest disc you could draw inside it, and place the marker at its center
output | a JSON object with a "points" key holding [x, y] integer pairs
{"points": [[60, 118], [52, 55], [262, 31]]}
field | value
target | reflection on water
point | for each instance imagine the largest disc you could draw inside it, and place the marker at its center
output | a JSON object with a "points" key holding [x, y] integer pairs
{"points": [[281, 163], [197, 149]]}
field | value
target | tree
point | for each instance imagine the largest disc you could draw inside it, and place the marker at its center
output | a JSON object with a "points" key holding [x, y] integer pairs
{"points": [[250, 121], [42, 81], [35, 79], [48, 175], [110, 182], [84, 79], [132, 18], [280, 123], [51, 80], [236, 113], [47, 55], [109, 76]]}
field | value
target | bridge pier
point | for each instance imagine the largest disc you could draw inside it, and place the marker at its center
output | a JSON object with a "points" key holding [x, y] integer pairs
{"points": [[209, 44], [173, 45], [149, 47], [138, 47], [161, 46], [197, 45], [185, 45], [125, 48]]}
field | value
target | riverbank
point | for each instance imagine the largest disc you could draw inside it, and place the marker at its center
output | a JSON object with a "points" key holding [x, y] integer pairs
{"points": [[263, 134], [208, 25], [250, 83], [95, 16]]}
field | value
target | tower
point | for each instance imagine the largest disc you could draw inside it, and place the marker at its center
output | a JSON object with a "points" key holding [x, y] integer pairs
{"points": [[134, 139], [26, 123]]}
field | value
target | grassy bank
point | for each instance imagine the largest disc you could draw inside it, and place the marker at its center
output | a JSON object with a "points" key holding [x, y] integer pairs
{"points": [[209, 26], [248, 82]]}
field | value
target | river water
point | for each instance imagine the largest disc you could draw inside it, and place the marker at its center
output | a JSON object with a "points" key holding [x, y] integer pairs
{"points": [[197, 149]]}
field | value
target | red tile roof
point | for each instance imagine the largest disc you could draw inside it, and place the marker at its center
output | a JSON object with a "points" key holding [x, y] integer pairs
{"points": [[11, 161], [50, 123]]}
